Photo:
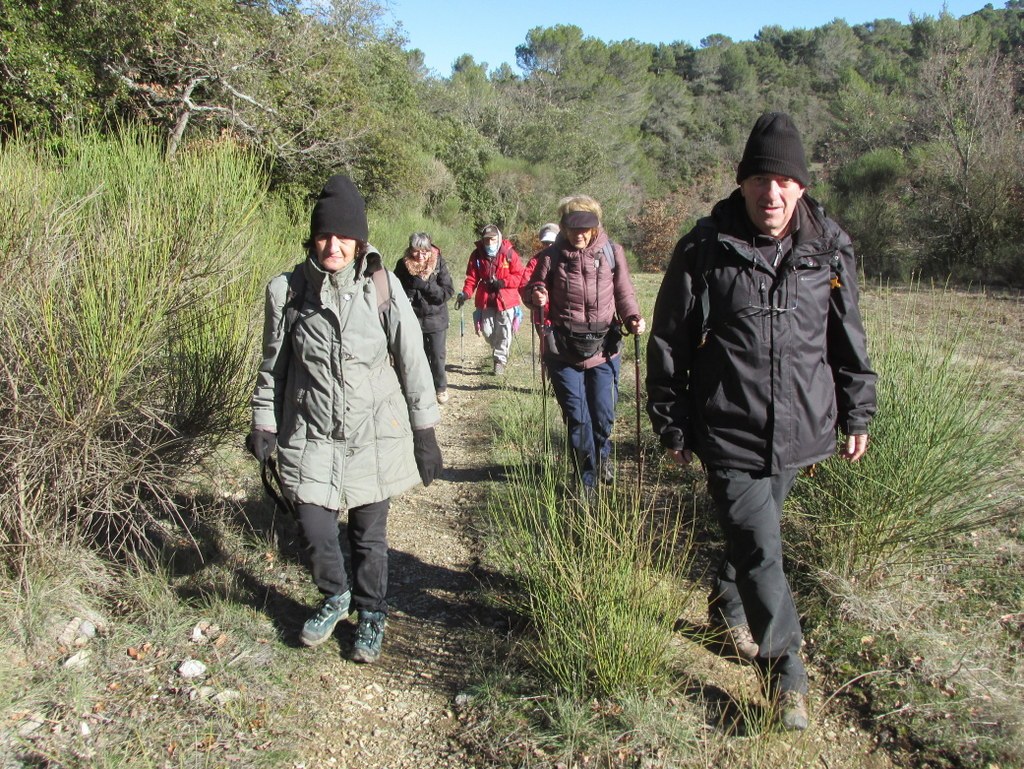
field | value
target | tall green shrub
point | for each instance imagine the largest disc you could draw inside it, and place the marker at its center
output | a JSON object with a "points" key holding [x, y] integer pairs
{"points": [[130, 291], [937, 462], [601, 582]]}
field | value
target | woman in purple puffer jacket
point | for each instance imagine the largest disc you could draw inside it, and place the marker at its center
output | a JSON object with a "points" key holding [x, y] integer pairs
{"points": [[581, 283]]}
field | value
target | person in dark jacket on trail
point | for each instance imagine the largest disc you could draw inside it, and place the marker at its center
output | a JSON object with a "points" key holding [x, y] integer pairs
{"points": [[757, 356], [345, 397], [494, 273], [424, 275], [581, 283]]}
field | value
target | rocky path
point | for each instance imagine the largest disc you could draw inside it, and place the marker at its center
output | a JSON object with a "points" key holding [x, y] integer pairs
{"points": [[401, 712]]}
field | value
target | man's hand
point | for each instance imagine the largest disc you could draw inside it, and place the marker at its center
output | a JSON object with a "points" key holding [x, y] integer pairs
{"points": [[461, 300], [540, 297], [682, 457], [856, 447]]}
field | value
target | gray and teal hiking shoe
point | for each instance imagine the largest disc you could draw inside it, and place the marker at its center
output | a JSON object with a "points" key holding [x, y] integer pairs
{"points": [[320, 626], [369, 636]]}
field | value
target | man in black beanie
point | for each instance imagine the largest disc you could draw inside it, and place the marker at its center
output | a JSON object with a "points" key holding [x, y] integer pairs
{"points": [[345, 396], [757, 356]]}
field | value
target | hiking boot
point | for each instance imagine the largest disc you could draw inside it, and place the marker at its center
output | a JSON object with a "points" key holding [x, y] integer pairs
{"points": [[442, 396], [738, 638], [320, 626], [606, 471], [369, 636], [499, 368], [793, 711]]}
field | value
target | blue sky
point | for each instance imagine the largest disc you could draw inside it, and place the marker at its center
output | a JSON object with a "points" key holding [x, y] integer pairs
{"points": [[490, 30]]}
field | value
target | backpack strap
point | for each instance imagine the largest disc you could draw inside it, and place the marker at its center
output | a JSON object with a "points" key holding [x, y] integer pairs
{"points": [[704, 258], [835, 262], [297, 291], [383, 286], [609, 255]]}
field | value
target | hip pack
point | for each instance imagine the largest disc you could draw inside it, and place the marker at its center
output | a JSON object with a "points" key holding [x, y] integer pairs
{"points": [[579, 341]]}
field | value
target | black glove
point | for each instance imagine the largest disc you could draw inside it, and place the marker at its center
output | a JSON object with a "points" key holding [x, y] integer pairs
{"points": [[461, 300], [497, 284], [427, 453], [261, 444]]}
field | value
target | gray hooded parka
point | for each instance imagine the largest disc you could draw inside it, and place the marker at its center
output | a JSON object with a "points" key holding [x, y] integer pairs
{"points": [[343, 398]]}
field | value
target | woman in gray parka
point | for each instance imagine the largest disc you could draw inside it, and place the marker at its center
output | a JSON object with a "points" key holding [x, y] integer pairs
{"points": [[345, 396]]}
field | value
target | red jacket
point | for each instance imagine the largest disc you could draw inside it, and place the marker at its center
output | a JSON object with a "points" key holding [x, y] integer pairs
{"points": [[505, 266]]}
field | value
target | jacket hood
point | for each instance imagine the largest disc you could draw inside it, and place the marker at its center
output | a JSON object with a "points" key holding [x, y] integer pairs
{"points": [[423, 269], [503, 246]]}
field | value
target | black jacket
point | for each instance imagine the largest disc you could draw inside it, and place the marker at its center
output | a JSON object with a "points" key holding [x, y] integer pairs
{"points": [[785, 360], [428, 294]]}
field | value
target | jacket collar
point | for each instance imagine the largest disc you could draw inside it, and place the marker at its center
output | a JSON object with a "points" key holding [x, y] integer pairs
{"points": [[730, 217], [426, 268], [367, 263]]}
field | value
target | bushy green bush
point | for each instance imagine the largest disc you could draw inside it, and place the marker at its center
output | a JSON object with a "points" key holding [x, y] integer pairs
{"points": [[937, 462], [131, 289], [600, 581]]}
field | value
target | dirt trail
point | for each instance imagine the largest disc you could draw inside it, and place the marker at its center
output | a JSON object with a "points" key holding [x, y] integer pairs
{"points": [[400, 713]]}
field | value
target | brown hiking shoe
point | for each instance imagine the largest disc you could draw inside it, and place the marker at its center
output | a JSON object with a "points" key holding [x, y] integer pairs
{"points": [[737, 639], [793, 711]]}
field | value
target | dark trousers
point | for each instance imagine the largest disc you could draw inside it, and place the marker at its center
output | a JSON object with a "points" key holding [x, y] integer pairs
{"points": [[751, 586], [368, 545], [434, 346], [587, 398]]}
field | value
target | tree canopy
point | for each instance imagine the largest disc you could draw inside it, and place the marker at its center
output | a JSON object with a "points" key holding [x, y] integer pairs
{"points": [[913, 129]]}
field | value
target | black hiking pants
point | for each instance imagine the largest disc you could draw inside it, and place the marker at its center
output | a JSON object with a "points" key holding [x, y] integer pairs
{"points": [[750, 586], [368, 545], [434, 345]]}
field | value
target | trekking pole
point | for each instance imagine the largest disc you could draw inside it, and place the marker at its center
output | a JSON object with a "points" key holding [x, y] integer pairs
{"points": [[639, 455], [462, 337], [543, 381], [268, 472], [533, 345]]}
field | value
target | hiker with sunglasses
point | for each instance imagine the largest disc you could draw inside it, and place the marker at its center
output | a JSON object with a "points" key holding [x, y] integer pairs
{"points": [[581, 287], [424, 275]]}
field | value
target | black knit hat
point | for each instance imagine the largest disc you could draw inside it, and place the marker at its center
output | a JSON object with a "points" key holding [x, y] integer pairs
{"points": [[774, 147], [341, 210]]}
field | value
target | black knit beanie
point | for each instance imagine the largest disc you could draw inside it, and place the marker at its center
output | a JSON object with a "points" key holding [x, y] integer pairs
{"points": [[340, 209], [774, 147]]}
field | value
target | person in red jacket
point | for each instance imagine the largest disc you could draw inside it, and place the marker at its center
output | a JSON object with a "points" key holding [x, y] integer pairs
{"points": [[494, 272], [547, 235]]}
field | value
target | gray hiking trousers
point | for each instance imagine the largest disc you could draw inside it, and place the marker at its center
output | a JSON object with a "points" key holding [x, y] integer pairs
{"points": [[750, 586]]}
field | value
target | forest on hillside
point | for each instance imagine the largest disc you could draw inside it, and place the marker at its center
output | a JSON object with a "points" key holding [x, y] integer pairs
{"points": [[913, 130]]}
